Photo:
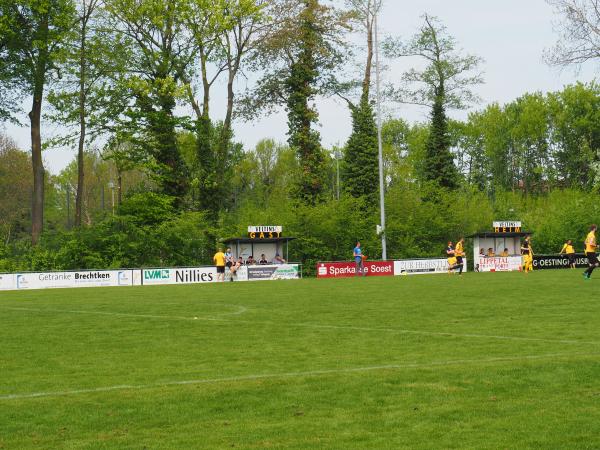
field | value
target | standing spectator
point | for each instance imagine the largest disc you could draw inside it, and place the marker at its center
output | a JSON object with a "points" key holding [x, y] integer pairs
{"points": [[229, 261], [570, 252], [459, 253], [590, 252], [263, 260], [219, 260], [358, 259]]}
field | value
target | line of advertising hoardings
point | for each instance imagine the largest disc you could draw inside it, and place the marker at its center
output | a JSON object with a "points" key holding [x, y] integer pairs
{"points": [[142, 277]]}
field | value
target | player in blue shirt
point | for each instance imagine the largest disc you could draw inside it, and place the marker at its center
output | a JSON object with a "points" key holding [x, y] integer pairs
{"points": [[358, 259]]}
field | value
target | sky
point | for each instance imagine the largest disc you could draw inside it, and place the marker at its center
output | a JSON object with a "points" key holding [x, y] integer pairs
{"points": [[510, 36]]}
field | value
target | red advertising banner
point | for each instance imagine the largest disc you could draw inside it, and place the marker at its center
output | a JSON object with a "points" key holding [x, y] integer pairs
{"points": [[348, 269]]}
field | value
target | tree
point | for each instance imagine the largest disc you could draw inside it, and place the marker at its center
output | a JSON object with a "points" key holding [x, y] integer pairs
{"points": [[77, 98], [579, 33], [297, 62], [15, 190], [446, 82], [301, 114], [157, 50], [34, 34], [361, 164], [364, 12], [574, 115], [361, 153]]}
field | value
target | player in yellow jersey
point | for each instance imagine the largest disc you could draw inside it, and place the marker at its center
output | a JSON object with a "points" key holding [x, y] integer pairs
{"points": [[590, 252], [570, 252], [459, 253], [527, 253]]}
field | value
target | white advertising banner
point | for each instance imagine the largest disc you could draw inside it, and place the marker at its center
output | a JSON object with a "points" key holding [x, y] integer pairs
{"points": [[186, 275], [274, 272], [423, 266], [498, 264], [7, 281], [91, 278]]}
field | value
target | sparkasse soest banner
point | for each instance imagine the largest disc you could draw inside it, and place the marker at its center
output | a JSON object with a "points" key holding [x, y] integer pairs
{"points": [[348, 269]]}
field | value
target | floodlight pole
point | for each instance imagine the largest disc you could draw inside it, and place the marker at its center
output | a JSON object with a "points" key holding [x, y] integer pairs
{"points": [[381, 175]]}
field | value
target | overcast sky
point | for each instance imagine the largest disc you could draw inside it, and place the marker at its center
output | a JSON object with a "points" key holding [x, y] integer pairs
{"points": [[510, 35]]}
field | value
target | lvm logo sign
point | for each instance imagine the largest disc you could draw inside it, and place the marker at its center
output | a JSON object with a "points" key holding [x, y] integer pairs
{"points": [[157, 274]]}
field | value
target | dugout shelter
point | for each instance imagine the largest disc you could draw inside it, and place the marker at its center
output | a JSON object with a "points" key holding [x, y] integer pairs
{"points": [[504, 234], [260, 239]]}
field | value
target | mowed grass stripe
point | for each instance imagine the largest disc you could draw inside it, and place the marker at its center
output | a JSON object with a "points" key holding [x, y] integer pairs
{"points": [[242, 310], [309, 373]]}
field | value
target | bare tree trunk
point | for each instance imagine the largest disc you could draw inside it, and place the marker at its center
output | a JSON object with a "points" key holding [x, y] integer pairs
{"points": [[119, 186], [82, 130], [37, 204], [368, 67]]}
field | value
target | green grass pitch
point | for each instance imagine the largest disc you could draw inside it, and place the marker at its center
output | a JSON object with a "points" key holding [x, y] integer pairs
{"points": [[483, 361]]}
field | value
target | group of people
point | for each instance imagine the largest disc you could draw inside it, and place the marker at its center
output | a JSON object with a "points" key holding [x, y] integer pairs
{"points": [[455, 254], [227, 260]]}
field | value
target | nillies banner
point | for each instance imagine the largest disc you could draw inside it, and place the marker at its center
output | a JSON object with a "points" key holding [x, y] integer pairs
{"points": [[423, 266], [187, 275]]}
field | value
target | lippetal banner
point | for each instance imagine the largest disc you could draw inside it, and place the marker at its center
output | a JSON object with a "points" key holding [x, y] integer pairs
{"points": [[91, 278], [348, 269], [423, 266], [187, 275], [498, 264]]}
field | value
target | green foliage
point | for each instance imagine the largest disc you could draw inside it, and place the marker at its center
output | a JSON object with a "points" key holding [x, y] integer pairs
{"points": [[361, 166], [301, 115], [438, 163]]}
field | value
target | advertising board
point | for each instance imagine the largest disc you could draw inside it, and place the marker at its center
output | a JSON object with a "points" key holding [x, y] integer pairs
{"points": [[348, 269], [558, 261], [498, 264], [7, 281], [76, 279], [185, 275], [275, 272], [423, 266]]}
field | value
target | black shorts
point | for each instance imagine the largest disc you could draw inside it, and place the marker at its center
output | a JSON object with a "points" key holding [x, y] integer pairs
{"points": [[592, 258], [220, 269], [571, 257], [459, 260], [228, 264]]}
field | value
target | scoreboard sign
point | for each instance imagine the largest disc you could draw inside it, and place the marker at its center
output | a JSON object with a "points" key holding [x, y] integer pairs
{"points": [[507, 227], [265, 232]]}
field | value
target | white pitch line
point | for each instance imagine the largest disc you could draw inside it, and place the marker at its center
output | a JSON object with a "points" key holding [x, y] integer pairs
{"points": [[217, 318], [310, 373], [240, 310]]}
